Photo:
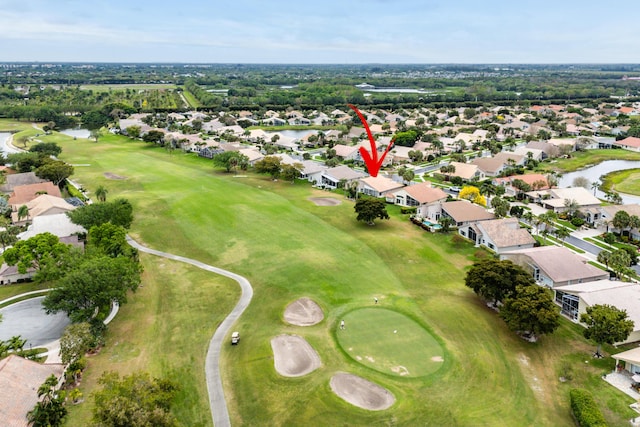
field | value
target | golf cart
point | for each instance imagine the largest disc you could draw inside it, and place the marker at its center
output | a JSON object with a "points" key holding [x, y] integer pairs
{"points": [[235, 338]]}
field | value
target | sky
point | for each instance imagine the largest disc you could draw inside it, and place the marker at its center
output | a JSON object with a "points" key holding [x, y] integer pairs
{"points": [[320, 32]]}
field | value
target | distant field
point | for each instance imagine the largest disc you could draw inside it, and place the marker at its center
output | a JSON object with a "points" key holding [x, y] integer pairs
{"points": [[134, 86]]}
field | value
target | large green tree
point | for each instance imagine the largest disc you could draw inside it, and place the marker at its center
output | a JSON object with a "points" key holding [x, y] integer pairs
{"points": [[495, 280], [55, 171], [606, 324], [135, 400], [231, 160], [118, 212], [368, 209], [270, 164], [111, 240], [46, 148], [94, 284], [43, 252], [531, 310]]}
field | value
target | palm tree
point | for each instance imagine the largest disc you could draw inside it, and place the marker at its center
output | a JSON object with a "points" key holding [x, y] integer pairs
{"points": [[561, 233], [23, 212], [594, 186], [16, 343], [445, 222], [101, 193]]}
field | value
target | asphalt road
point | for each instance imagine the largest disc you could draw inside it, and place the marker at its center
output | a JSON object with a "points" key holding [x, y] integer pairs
{"points": [[28, 319], [217, 401]]}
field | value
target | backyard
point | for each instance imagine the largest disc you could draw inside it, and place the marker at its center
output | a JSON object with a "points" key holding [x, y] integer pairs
{"points": [[288, 247]]}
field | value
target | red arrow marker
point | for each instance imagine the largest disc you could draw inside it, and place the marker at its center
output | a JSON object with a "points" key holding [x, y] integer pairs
{"points": [[372, 161]]}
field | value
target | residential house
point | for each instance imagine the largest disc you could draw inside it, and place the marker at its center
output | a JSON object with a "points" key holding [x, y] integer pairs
{"points": [[18, 179], [378, 186], [534, 180], [493, 166], [332, 178], [20, 380], [533, 153], [464, 213], [58, 224], [466, 171], [42, 205], [500, 235], [25, 193], [10, 274], [575, 299], [274, 121], [549, 151], [570, 143], [630, 143], [423, 197], [312, 171], [557, 199], [607, 213], [554, 266], [629, 360], [347, 152], [253, 154]]}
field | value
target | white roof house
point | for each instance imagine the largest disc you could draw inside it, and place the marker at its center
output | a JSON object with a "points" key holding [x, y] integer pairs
{"points": [[502, 235], [554, 266], [574, 300], [58, 224], [378, 186], [331, 177]]}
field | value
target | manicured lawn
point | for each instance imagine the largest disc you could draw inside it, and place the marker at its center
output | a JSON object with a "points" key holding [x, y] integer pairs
{"points": [[10, 125], [624, 181], [7, 291], [288, 247], [582, 159], [390, 342]]}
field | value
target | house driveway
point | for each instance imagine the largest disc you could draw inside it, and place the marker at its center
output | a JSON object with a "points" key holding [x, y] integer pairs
{"points": [[217, 401]]}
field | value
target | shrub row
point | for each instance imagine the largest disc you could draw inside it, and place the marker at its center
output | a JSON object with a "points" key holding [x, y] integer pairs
{"points": [[585, 409]]}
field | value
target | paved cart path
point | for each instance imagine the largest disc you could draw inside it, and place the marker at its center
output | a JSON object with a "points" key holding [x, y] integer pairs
{"points": [[212, 364]]}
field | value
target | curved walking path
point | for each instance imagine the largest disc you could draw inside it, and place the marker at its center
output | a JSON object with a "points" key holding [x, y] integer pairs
{"points": [[212, 363]]}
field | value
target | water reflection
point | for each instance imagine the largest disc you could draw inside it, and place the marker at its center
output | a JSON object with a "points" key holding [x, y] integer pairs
{"points": [[594, 173]]}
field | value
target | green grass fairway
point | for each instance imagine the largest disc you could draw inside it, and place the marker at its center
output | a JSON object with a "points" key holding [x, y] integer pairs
{"points": [[288, 248], [369, 338], [625, 181]]}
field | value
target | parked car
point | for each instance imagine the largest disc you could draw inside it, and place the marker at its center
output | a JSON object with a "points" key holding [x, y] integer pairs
{"points": [[235, 338]]}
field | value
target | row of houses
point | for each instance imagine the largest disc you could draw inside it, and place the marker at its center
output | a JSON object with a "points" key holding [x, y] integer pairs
{"points": [[46, 211]]}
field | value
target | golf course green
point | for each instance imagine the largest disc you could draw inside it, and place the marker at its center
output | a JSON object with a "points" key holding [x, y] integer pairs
{"points": [[390, 342], [272, 233]]}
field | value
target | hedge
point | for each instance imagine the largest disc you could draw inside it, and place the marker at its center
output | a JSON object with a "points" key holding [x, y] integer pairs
{"points": [[585, 409]]}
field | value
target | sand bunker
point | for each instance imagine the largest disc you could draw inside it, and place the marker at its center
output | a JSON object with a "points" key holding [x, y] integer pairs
{"points": [[303, 312], [110, 175], [360, 392], [325, 201], [293, 356]]}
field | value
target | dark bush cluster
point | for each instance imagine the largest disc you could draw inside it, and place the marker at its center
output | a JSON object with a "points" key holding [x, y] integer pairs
{"points": [[585, 409]]}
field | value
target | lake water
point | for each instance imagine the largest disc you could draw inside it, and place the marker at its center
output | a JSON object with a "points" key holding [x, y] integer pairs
{"points": [[4, 137], [594, 173], [78, 133]]}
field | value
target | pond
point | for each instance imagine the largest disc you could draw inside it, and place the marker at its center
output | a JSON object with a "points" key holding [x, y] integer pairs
{"points": [[4, 137], [594, 173], [77, 132]]}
